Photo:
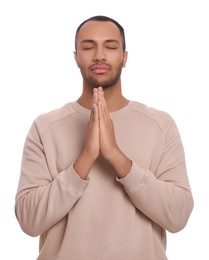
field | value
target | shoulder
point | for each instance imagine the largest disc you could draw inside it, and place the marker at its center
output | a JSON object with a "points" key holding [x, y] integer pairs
{"points": [[159, 118], [44, 121]]}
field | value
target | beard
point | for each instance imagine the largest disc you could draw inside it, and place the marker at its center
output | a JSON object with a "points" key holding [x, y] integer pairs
{"points": [[94, 83]]}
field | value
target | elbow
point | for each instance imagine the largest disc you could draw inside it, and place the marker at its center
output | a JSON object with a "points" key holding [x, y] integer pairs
{"points": [[26, 223], [27, 227], [179, 219], [29, 231], [176, 226]]}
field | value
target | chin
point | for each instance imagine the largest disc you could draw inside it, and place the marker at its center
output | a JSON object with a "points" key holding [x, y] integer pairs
{"points": [[104, 84]]}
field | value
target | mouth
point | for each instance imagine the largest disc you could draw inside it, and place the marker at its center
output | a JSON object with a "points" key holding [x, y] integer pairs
{"points": [[100, 69]]}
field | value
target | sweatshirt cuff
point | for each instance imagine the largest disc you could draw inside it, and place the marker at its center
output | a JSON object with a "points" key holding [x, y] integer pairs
{"points": [[134, 180], [73, 182]]}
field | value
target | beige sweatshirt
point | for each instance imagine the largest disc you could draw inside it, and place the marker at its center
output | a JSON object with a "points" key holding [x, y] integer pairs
{"points": [[103, 218]]}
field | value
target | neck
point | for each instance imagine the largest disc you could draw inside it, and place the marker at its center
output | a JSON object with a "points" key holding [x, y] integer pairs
{"points": [[113, 95]]}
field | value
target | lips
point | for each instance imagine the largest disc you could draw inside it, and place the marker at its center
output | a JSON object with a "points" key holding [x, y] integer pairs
{"points": [[100, 68]]}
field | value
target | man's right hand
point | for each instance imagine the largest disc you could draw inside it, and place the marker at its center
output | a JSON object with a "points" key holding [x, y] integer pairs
{"points": [[91, 148]]}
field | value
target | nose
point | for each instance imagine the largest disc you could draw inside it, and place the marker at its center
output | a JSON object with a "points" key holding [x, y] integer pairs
{"points": [[99, 55]]}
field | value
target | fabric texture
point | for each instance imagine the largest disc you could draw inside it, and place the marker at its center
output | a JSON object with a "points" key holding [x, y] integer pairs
{"points": [[103, 217]]}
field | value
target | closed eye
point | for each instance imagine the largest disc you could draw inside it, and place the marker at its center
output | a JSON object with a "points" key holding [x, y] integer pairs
{"points": [[112, 44], [87, 45], [87, 48], [111, 47]]}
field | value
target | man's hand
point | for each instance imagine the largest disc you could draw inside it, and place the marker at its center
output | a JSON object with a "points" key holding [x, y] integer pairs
{"points": [[107, 139], [100, 139], [91, 148]]}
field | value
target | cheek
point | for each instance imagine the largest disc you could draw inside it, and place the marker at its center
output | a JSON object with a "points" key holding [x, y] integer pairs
{"points": [[80, 62], [118, 58], [84, 57]]}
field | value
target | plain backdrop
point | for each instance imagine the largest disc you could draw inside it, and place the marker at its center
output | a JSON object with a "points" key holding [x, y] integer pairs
{"points": [[167, 68]]}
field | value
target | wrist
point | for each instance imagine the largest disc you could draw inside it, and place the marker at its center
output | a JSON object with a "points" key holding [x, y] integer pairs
{"points": [[120, 162], [83, 165]]}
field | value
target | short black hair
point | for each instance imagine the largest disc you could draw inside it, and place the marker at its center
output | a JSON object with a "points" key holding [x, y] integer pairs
{"points": [[102, 18]]}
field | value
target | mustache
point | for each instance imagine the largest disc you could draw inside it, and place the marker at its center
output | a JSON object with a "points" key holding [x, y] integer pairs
{"points": [[100, 64]]}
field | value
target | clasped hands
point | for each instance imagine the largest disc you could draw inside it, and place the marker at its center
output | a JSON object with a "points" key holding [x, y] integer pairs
{"points": [[100, 137], [100, 140]]}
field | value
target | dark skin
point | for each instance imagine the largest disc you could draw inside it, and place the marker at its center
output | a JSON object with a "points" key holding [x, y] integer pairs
{"points": [[100, 57]]}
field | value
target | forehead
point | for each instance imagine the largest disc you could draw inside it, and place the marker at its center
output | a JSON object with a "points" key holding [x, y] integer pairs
{"points": [[97, 30]]}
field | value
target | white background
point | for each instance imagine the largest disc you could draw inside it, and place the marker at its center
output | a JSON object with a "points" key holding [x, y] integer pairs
{"points": [[168, 68]]}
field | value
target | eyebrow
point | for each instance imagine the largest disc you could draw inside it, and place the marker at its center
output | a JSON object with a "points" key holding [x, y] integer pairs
{"points": [[112, 40], [93, 41]]}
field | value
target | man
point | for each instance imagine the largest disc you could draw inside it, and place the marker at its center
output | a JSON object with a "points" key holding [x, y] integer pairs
{"points": [[103, 177]]}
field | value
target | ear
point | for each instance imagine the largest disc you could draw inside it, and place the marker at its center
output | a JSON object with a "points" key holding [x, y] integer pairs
{"points": [[76, 59], [125, 57]]}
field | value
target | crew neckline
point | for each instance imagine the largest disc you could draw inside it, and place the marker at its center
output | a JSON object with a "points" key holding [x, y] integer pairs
{"points": [[79, 108]]}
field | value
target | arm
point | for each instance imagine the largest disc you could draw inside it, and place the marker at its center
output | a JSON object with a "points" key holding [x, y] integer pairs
{"points": [[165, 197], [42, 201]]}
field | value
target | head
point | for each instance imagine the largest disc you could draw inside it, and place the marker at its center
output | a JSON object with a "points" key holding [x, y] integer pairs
{"points": [[100, 51], [100, 18]]}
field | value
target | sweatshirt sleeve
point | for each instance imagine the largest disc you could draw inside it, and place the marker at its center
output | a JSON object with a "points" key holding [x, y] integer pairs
{"points": [[164, 196], [42, 201]]}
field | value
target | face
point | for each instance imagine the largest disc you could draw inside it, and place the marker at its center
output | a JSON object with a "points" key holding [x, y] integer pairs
{"points": [[100, 54]]}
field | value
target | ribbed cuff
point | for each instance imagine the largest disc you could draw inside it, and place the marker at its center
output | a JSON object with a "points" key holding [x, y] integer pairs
{"points": [[73, 182], [134, 179]]}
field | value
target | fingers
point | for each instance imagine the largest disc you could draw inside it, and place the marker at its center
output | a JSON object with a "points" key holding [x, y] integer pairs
{"points": [[99, 107], [94, 112], [95, 96], [102, 105]]}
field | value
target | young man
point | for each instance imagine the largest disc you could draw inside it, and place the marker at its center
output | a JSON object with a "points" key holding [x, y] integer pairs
{"points": [[103, 177]]}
